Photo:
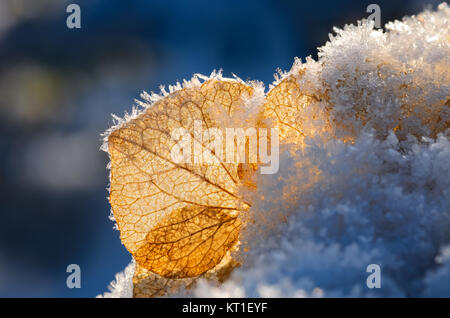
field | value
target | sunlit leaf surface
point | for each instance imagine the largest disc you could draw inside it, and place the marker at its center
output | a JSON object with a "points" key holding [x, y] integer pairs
{"points": [[285, 104], [178, 220]]}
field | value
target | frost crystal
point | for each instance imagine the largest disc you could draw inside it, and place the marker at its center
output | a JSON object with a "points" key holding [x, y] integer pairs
{"points": [[122, 286]]}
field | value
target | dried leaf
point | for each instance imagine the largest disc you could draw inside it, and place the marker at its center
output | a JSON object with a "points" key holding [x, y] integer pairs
{"points": [[282, 106], [178, 220], [189, 242], [294, 111]]}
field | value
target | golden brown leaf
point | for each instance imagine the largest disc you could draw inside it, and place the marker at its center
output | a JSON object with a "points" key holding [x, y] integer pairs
{"points": [[188, 242], [178, 220], [293, 110]]}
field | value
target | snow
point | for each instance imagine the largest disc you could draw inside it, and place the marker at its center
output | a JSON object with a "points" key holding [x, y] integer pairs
{"points": [[374, 202], [122, 286]]}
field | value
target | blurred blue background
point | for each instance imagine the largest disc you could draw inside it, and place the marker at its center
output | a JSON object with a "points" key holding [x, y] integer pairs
{"points": [[58, 87]]}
